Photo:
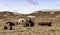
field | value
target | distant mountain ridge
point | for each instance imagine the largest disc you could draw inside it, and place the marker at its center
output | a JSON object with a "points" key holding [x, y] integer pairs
{"points": [[36, 13], [50, 10]]}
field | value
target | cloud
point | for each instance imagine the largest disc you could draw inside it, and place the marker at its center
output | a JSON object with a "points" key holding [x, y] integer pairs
{"points": [[34, 2], [7, 5], [57, 4]]}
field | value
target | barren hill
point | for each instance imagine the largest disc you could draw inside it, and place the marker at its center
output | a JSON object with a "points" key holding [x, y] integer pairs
{"points": [[8, 14], [46, 13]]}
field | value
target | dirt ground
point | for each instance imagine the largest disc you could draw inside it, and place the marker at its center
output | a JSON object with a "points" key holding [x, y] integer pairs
{"points": [[36, 30]]}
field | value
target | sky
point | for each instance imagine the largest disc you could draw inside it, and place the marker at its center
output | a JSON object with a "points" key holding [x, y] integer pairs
{"points": [[28, 6]]}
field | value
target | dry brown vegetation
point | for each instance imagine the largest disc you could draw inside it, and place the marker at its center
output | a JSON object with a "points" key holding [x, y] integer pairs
{"points": [[37, 29]]}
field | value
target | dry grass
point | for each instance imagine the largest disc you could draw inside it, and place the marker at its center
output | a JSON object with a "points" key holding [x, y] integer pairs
{"points": [[36, 30]]}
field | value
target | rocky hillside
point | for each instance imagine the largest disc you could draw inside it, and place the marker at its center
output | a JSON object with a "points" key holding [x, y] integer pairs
{"points": [[46, 13], [7, 14]]}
